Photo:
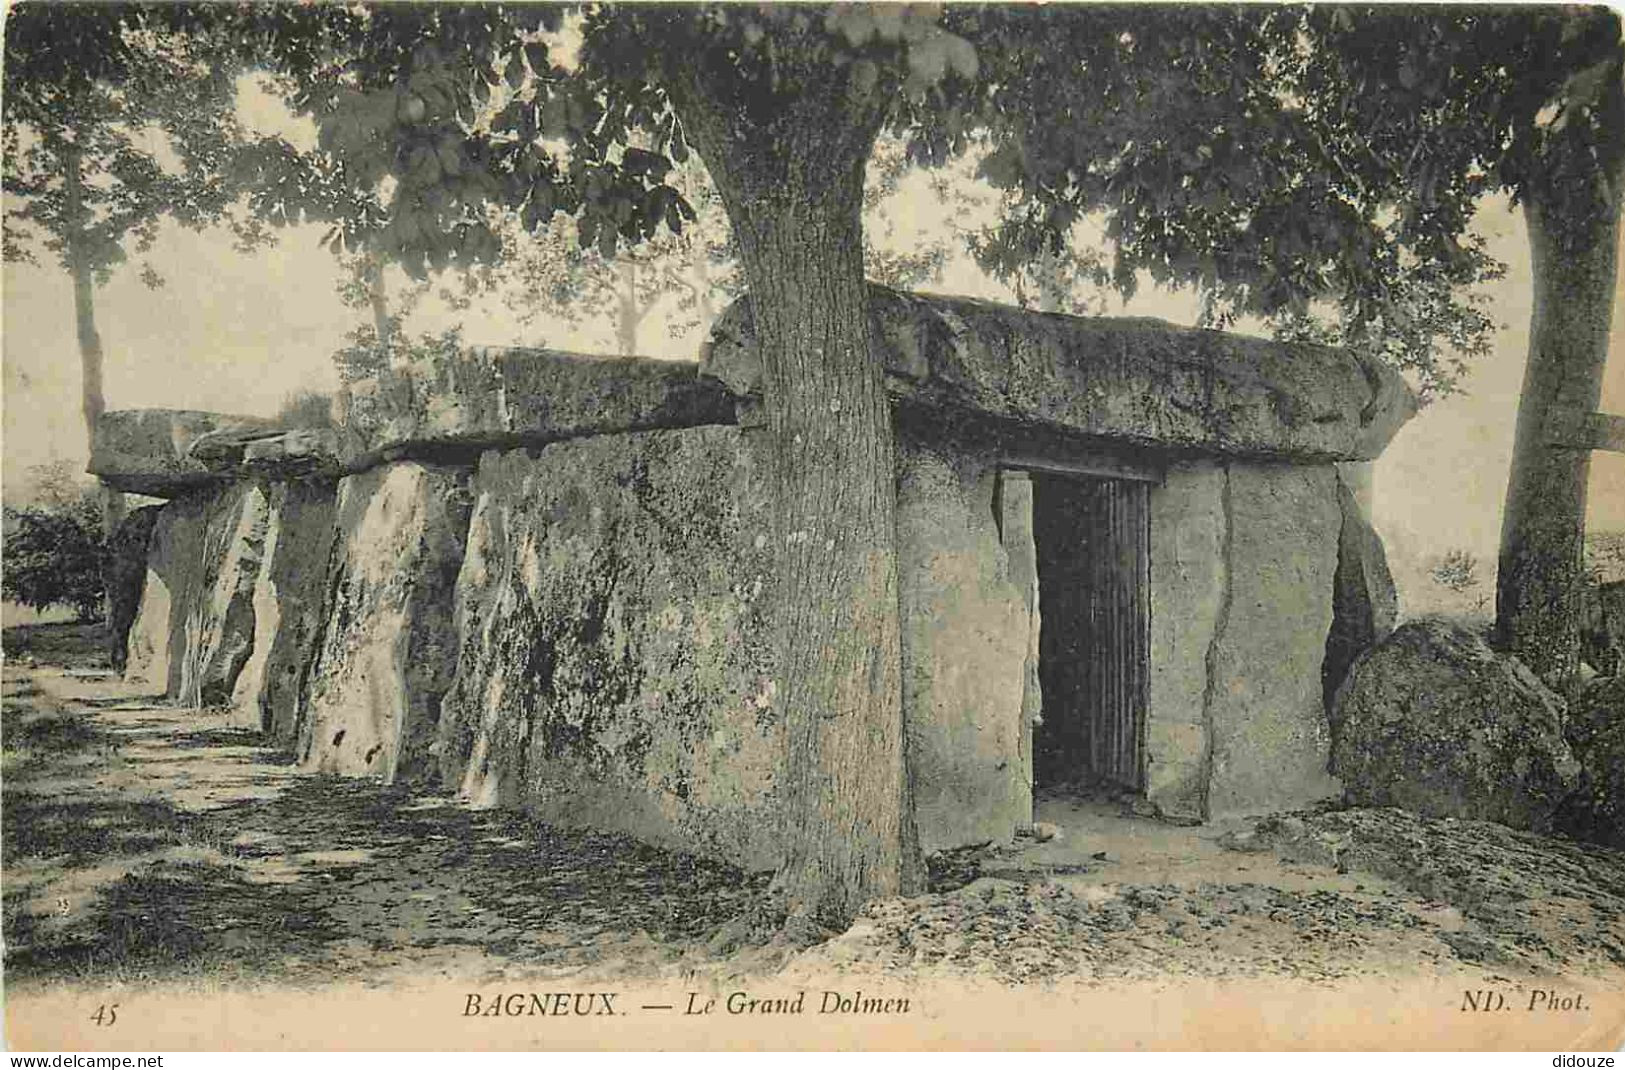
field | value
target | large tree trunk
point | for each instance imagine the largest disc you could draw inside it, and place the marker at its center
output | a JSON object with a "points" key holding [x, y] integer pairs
{"points": [[92, 401], [791, 177], [1573, 231], [378, 299], [629, 311], [84, 295]]}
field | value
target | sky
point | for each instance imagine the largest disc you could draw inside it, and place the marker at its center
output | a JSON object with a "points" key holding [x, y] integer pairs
{"points": [[239, 334]]}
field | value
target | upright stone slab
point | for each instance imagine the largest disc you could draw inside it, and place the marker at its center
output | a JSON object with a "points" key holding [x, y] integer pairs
{"points": [[219, 625], [125, 575], [287, 604], [163, 452], [1270, 739], [616, 669], [388, 648], [194, 629], [499, 398], [1015, 501], [965, 644], [1137, 381], [1189, 585], [156, 646], [1365, 604]]}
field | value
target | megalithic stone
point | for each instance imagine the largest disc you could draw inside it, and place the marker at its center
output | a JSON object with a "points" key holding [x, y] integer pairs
{"points": [[287, 601], [388, 650]]}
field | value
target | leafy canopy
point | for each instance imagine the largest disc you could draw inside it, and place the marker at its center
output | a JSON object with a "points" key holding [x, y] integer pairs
{"points": [[1315, 166], [142, 107], [1286, 159]]}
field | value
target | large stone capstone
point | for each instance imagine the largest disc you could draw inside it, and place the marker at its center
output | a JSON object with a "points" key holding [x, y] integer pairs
{"points": [[499, 397], [1136, 381], [166, 453], [388, 649], [1433, 721]]}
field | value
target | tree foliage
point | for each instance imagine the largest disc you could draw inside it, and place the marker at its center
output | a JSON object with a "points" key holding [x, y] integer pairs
{"points": [[151, 116], [551, 278]]}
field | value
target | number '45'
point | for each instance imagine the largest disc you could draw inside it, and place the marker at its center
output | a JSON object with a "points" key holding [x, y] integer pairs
{"points": [[106, 1014]]}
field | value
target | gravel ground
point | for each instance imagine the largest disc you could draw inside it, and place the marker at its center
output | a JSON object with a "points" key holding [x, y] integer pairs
{"points": [[1316, 896]]}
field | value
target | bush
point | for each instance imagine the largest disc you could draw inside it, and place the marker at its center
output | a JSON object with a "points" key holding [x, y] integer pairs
{"points": [[53, 556], [306, 409], [1456, 570]]}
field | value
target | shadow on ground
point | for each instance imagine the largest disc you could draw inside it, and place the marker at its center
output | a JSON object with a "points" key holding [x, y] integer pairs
{"points": [[71, 645], [143, 842], [330, 873]]}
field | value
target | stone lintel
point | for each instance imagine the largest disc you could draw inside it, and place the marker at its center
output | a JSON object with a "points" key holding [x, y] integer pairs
{"points": [[165, 452], [505, 398], [1140, 382]]}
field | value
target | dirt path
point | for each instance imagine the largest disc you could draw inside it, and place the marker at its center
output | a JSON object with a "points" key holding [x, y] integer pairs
{"points": [[144, 843], [148, 843]]}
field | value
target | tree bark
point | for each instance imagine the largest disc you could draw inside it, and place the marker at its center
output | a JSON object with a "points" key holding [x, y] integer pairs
{"points": [[92, 398], [629, 313], [1573, 234], [1051, 288], [84, 294], [792, 182], [378, 299]]}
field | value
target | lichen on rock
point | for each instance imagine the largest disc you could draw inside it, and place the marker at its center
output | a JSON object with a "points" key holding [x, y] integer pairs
{"points": [[125, 576], [388, 647], [1596, 731], [287, 603], [615, 668], [194, 629], [1434, 721]]}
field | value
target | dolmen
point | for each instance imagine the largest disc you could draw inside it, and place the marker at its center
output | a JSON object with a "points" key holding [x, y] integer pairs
{"points": [[1130, 554]]}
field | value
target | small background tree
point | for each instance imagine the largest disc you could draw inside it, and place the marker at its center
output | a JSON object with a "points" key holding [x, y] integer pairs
{"points": [[53, 547], [1457, 572], [112, 125]]}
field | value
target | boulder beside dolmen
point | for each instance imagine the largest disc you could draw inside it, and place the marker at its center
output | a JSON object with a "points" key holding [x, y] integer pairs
{"points": [[1433, 721]]}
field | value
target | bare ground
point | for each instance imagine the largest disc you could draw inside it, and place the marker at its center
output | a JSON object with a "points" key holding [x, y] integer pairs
{"points": [[145, 844]]}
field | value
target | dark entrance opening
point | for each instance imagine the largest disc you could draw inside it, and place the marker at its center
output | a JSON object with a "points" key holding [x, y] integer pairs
{"points": [[1092, 542]]}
